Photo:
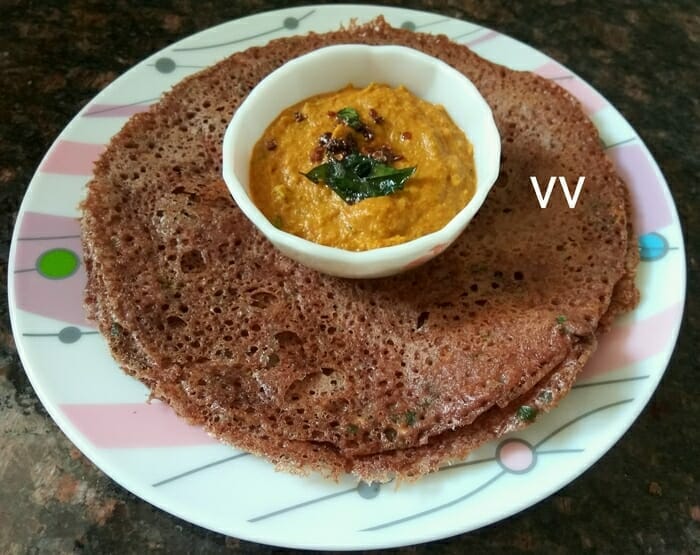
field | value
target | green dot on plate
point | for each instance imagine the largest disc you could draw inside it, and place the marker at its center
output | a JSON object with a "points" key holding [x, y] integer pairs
{"points": [[57, 263]]}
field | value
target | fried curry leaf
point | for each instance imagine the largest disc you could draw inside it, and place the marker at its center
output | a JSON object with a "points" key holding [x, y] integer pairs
{"points": [[358, 176], [527, 413], [351, 118]]}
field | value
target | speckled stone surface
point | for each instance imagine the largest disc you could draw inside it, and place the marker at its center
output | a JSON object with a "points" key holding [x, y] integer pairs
{"points": [[642, 497]]}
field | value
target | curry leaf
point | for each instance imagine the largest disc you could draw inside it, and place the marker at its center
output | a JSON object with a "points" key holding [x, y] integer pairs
{"points": [[526, 413], [358, 176], [351, 118]]}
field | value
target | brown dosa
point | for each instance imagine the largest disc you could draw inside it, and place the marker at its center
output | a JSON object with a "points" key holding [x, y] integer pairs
{"points": [[380, 378]]}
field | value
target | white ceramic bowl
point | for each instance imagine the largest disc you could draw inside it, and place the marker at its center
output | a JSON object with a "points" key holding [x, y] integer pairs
{"points": [[330, 69]]}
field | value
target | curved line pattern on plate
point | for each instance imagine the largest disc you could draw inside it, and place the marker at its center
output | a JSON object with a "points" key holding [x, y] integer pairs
{"points": [[560, 451], [411, 26], [67, 335], [464, 497], [168, 65], [619, 143], [466, 33], [506, 469], [579, 418], [289, 23], [199, 469], [363, 489], [510, 454], [609, 382]]}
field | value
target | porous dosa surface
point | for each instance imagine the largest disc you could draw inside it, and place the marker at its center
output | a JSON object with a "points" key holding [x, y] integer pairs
{"points": [[379, 377]]}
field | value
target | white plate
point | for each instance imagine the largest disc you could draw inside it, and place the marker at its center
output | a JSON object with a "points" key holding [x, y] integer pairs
{"points": [[146, 449]]}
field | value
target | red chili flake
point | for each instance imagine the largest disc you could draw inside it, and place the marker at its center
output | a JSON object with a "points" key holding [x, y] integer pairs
{"points": [[317, 154], [332, 114], [375, 116], [406, 136], [271, 144], [298, 116]]}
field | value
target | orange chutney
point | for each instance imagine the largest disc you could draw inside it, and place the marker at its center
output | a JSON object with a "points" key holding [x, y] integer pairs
{"points": [[397, 124]]}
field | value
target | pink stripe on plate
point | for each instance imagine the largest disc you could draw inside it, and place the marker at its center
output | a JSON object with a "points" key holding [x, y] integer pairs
{"points": [[36, 224], [128, 425], [483, 38], [72, 158], [552, 70], [651, 210], [590, 98], [114, 110], [633, 342]]}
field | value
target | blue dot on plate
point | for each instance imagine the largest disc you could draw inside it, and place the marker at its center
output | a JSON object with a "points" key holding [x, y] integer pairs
{"points": [[408, 25], [368, 491], [652, 246]]}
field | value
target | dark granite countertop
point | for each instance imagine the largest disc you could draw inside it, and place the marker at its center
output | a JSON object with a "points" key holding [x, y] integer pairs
{"points": [[642, 497]]}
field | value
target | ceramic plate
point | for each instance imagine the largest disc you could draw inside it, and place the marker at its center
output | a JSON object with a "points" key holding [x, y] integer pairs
{"points": [[178, 468]]}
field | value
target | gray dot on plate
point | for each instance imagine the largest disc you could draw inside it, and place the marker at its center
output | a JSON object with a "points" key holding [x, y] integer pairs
{"points": [[69, 335], [291, 23], [368, 491], [165, 65], [409, 25]]}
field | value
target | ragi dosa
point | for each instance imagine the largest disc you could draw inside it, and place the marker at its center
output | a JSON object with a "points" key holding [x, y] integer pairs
{"points": [[381, 378]]}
